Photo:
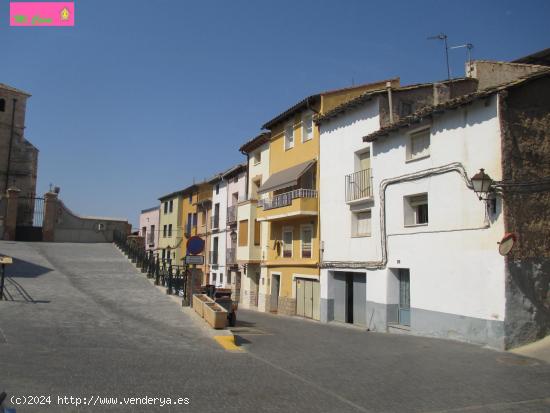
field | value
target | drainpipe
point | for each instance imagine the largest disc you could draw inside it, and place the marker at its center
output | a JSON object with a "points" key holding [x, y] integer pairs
{"points": [[390, 101], [452, 167], [12, 132], [247, 173]]}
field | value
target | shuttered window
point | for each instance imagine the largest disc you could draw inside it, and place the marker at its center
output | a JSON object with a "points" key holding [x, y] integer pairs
{"points": [[243, 233]]}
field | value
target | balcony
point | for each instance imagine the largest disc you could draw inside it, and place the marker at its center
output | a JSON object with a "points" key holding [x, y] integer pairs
{"points": [[299, 202], [232, 215], [231, 256], [215, 221], [213, 258], [359, 185]]}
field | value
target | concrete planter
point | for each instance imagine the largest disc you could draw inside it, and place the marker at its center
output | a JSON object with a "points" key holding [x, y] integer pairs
{"points": [[215, 315], [198, 303]]}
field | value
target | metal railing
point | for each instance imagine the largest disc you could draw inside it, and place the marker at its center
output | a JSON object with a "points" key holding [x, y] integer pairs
{"points": [[286, 199], [232, 214], [359, 185], [306, 251], [231, 256], [213, 258], [173, 277], [215, 221]]}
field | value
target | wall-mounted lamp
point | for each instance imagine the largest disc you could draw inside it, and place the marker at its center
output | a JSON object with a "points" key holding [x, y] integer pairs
{"points": [[482, 184]]}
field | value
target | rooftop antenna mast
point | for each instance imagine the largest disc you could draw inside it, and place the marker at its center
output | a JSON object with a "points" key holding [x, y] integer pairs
{"points": [[469, 47], [443, 36]]}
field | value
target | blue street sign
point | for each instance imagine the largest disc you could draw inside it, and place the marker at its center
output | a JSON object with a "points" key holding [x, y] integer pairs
{"points": [[195, 245]]}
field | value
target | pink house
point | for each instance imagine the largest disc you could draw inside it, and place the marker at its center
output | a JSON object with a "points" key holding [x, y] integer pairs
{"points": [[149, 227]]}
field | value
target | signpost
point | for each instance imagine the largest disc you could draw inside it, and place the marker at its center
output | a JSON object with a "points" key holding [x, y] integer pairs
{"points": [[195, 246], [4, 261]]}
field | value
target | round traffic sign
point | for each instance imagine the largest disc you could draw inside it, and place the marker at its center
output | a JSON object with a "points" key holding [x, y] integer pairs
{"points": [[195, 245]]}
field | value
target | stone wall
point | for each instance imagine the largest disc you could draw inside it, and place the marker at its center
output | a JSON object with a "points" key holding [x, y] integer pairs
{"points": [[525, 122], [70, 227], [287, 306]]}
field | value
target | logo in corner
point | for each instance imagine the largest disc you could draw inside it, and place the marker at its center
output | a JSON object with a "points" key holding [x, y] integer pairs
{"points": [[65, 15]]}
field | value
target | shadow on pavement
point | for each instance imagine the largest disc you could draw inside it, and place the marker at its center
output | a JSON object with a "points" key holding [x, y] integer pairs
{"points": [[25, 269]]}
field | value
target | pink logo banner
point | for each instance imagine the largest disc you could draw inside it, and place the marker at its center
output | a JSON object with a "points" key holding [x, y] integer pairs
{"points": [[41, 14]]}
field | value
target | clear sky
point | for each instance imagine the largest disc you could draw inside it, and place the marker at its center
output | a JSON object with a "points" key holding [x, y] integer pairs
{"points": [[141, 96]]}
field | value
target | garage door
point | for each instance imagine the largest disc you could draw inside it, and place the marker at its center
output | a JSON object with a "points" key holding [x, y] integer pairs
{"points": [[307, 298], [350, 297]]}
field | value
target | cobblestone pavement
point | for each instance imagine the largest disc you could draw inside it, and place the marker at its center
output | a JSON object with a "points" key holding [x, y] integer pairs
{"points": [[81, 321]]}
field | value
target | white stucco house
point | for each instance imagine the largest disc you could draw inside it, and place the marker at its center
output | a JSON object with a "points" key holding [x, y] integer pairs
{"points": [[407, 246]]}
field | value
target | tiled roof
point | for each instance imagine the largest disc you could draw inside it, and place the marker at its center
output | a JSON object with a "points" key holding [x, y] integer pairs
{"points": [[428, 111], [367, 96], [312, 99], [255, 142], [12, 89]]}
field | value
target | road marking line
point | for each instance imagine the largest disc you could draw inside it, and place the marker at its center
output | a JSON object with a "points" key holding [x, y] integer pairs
{"points": [[228, 343]]}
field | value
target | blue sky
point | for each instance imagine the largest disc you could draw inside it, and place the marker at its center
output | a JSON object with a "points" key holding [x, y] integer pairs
{"points": [[142, 96]]}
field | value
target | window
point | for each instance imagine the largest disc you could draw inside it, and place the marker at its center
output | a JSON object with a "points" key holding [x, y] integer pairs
{"points": [[152, 232], [170, 230], [195, 219], [416, 210], [257, 227], [256, 157], [243, 233], [164, 231], [217, 189], [143, 231], [307, 127], [191, 198], [171, 207], [419, 145], [166, 207], [254, 188], [163, 254], [289, 136], [361, 223], [363, 161], [2, 105], [213, 278], [221, 278], [287, 243], [228, 278], [307, 236]]}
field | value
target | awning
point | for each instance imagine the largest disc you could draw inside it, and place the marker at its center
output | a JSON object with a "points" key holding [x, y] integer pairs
{"points": [[285, 178]]}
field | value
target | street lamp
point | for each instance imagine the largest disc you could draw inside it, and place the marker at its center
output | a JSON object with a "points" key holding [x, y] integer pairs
{"points": [[482, 184]]}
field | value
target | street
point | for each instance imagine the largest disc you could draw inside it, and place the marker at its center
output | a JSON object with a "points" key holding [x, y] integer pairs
{"points": [[80, 321]]}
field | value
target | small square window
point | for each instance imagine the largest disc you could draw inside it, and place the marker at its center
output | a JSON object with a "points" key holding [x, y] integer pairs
{"points": [[289, 136], [307, 127], [419, 145], [256, 157], [361, 223], [416, 210]]}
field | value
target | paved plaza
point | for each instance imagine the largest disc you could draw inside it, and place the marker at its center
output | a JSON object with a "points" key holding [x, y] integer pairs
{"points": [[80, 321]]}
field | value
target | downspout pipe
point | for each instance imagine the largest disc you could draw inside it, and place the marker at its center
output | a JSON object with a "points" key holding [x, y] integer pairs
{"points": [[440, 170], [12, 132], [247, 173]]}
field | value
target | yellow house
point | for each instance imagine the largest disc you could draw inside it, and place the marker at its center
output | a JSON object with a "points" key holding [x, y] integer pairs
{"points": [[170, 227], [289, 204], [195, 211]]}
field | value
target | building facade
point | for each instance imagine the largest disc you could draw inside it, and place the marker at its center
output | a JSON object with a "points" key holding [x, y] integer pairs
{"points": [[170, 227], [149, 221], [252, 245], [408, 246], [290, 204], [18, 157]]}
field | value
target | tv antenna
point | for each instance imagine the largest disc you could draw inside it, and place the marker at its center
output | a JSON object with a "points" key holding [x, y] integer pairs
{"points": [[469, 47], [443, 36]]}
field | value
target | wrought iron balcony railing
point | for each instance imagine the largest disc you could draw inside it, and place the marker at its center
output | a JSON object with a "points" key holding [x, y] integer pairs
{"points": [[359, 185], [285, 199]]}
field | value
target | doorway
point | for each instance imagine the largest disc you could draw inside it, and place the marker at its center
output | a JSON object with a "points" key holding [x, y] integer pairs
{"points": [[350, 298], [274, 298], [404, 297]]}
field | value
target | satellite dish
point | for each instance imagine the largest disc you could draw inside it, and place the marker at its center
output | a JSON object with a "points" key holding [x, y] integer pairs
{"points": [[506, 244]]}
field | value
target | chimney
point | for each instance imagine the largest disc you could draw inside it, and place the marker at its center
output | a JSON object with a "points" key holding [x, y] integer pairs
{"points": [[390, 102]]}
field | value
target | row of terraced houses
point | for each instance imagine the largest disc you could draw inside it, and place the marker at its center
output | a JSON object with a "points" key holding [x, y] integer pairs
{"points": [[416, 209]]}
